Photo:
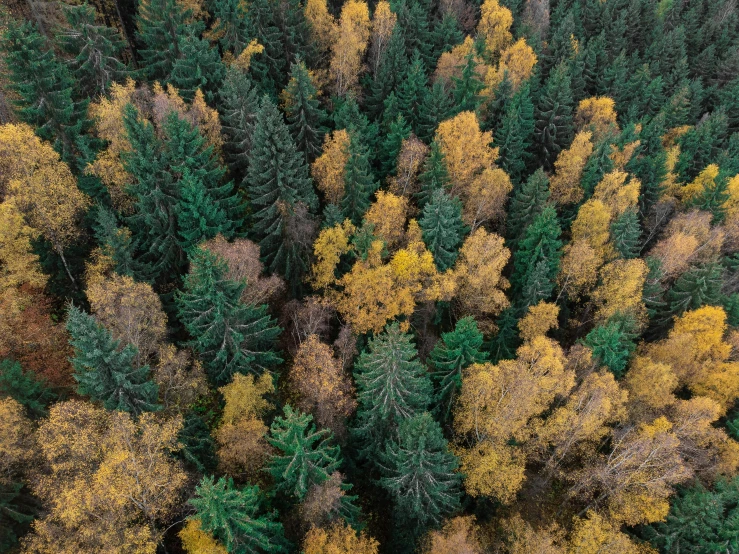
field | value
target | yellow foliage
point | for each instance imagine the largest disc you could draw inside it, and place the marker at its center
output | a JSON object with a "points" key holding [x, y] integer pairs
{"points": [[459, 535], [494, 27], [522, 538], [328, 248], [322, 25], [538, 320], [486, 197], [669, 184], [615, 193], [621, 156], [18, 264], [244, 397], [597, 535], [243, 61], [565, 183], [518, 60], [410, 161], [620, 290], [21, 152], [704, 181], [388, 215], [350, 46], [580, 265], [15, 429], [338, 539], [493, 469], [328, 169], [383, 22], [731, 205], [651, 382], [592, 224], [197, 541], [598, 113]]}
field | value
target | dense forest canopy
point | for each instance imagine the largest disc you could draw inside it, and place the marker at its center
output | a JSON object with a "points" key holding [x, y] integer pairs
{"points": [[364, 277]]}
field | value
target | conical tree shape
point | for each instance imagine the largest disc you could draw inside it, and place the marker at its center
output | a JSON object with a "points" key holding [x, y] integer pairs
{"points": [[455, 351], [413, 20], [239, 104], [443, 228], [445, 35], [105, 371], [198, 217], [392, 385], [199, 67], [699, 286], [504, 343], [24, 387], [516, 133], [305, 116], [304, 455], [359, 183], [467, 87], [412, 91], [276, 181], [235, 517], [229, 336], [554, 126], [437, 106], [626, 234], [393, 65], [398, 131], [161, 27], [527, 203], [612, 344], [434, 176], [114, 241], [231, 25]]}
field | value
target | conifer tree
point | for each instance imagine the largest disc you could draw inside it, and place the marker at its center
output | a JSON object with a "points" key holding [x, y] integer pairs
{"points": [[445, 34], [239, 103], [198, 67], [527, 203], [236, 518], [599, 163], [96, 50], [413, 20], [411, 92], [554, 128], [467, 87], [398, 131], [455, 351], [434, 176], [437, 106], [515, 134], [625, 233], [700, 146], [699, 286], [496, 112], [276, 182], [393, 65], [24, 387], [114, 241], [230, 337], [612, 344], [443, 228], [304, 455], [504, 343], [230, 25], [199, 218], [105, 371], [305, 117], [392, 385], [420, 474], [359, 183], [161, 27]]}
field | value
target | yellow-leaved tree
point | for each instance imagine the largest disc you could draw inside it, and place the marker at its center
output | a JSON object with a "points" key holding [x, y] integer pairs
{"points": [[494, 27], [329, 168], [565, 183], [338, 539], [349, 47]]}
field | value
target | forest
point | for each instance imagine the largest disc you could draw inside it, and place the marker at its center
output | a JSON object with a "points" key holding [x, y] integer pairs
{"points": [[369, 276]]}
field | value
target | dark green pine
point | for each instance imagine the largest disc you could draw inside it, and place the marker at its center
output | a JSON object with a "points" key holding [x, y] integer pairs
{"points": [[269, 69], [527, 203], [437, 106], [420, 473], [468, 86], [413, 20], [653, 293], [699, 286], [276, 182], [701, 145], [434, 175], [393, 65], [613, 343], [649, 164], [397, 131], [303, 455], [359, 183], [442, 228], [198, 450], [506, 340], [236, 517], [445, 35], [114, 241], [493, 119], [554, 126], [455, 351], [305, 116], [199, 218], [161, 27], [230, 337], [231, 25], [347, 115], [239, 103], [516, 134], [96, 51], [644, 94], [598, 164], [411, 92], [626, 234], [392, 385], [199, 67], [24, 387], [104, 371]]}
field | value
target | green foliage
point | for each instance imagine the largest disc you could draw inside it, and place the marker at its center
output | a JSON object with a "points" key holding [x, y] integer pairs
{"points": [[412, 91], [16, 514], [554, 128], [437, 106], [467, 88], [359, 183], [612, 344], [699, 286], [114, 241], [236, 518], [230, 337], [161, 27], [239, 103], [527, 203], [442, 227], [305, 115], [398, 131], [516, 133], [104, 371], [199, 218], [626, 234], [198, 447], [393, 65], [198, 67], [24, 387], [434, 175], [304, 455]]}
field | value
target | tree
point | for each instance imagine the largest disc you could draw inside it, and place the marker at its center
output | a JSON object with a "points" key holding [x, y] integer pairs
{"points": [[437, 106], [434, 176], [515, 134], [387, 215], [24, 387], [455, 351], [699, 286], [305, 456], [565, 184], [626, 234], [411, 92], [420, 474], [443, 229], [383, 26], [494, 27], [235, 517], [554, 126], [304, 115], [194, 539], [612, 344], [398, 131], [410, 161], [276, 182], [517, 64], [528, 201], [104, 371], [359, 183], [199, 218], [338, 539], [468, 86], [458, 535], [351, 43], [239, 103], [393, 64], [392, 385], [598, 534], [161, 26], [199, 67], [230, 337]]}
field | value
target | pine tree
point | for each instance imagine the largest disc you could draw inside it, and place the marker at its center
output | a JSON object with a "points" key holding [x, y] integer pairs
{"points": [[115, 242], [554, 127], [497, 110], [198, 67], [515, 134], [276, 182], [198, 447], [626, 234], [434, 176], [24, 387], [527, 203], [411, 92], [230, 337], [504, 343], [699, 286], [305, 117], [268, 68], [393, 65], [239, 103], [413, 20], [96, 50], [161, 27], [612, 344], [467, 88], [455, 351], [304, 456], [230, 25], [392, 385], [105, 371], [437, 106], [445, 35], [599, 163], [398, 130], [236, 518], [420, 474], [443, 228], [359, 183], [700, 146], [199, 218]]}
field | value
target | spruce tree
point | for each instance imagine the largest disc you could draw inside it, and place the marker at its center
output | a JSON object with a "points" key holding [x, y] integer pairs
{"points": [[455, 351], [497, 109], [114, 241], [626, 234], [268, 68], [230, 337], [239, 103], [612, 344], [434, 176], [599, 163], [554, 126], [445, 35], [420, 474], [304, 455], [276, 181], [398, 130], [701, 145], [199, 218], [305, 116], [699, 286], [347, 115], [96, 50], [198, 67], [392, 385], [198, 447], [411, 92], [161, 26], [231, 25], [393, 65], [24, 387], [527, 203], [236, 517], [504, 343], [442, 227], [359, 183], [413, 20], [437, 106], [467, 87], [515, 134], [104, 371]]}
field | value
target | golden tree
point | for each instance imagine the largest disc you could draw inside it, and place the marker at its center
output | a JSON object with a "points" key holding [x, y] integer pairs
{"points": [[383, 22], [518, 61], [388, 214], [412, 154], [329, 168], [459, 535], [494, 27], [565, 183], [338, 539], [598, 114], [350, 45]]}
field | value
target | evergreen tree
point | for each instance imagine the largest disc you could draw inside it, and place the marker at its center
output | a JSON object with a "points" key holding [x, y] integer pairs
{"points": [[434, 176], [305, 456], [398, 131], [411, 92], [230, 25], [699, 286], [161, 27], [443, 228], [114, 241], [554, 127], [23, 387], [392, 385], [230, 337], [420, 474], [599, 163], [527, 203], [515, 134], [199, 218], [347, 115], [305, 117], [455, 351], [198, 67], [445, 35], [612, 344], [95, 48], [626, 234], [198, 447], [701, 145], [437, 106], [393, 65], [467, 88], [236, 518], [239, 103], [413, 20], [496, 112], [359, 183], [105, 371], [504, 343], [276, 182]]}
